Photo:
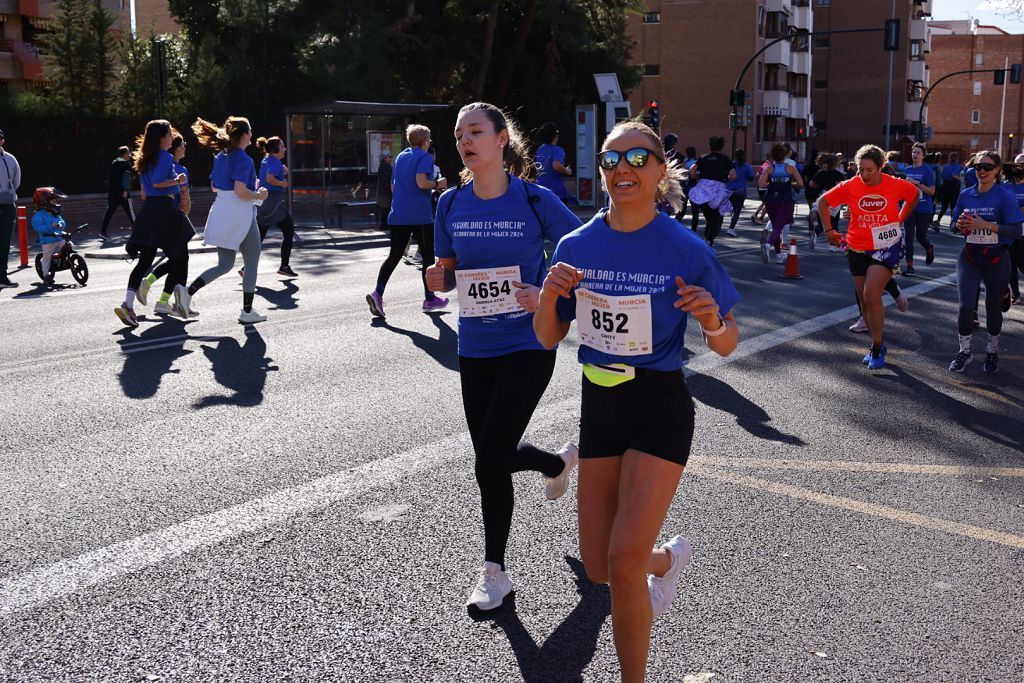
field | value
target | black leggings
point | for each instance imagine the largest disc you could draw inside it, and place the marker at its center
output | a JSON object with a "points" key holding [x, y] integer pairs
{"points": [[142, 265], [177, 273], [113, 202], [737, 199], [714, 220], [499, 396], [400, 235], [916, 225], [948, 194], [287, 227]]}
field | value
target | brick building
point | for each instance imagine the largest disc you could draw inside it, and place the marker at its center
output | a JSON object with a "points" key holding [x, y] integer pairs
{"points": [[23, 23], [964, 111], [848, 89], [691, 56]]}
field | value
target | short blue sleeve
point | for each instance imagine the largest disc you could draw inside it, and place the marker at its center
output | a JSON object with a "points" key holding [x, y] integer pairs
{"points": [[566, 308], [557, 220], [716, 280], [1010, 209], [243, 169], [959, 208], [425, 164], [442, 238]]}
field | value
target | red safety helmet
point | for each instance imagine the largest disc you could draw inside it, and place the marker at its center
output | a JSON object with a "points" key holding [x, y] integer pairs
{"points": [[46, 198]]}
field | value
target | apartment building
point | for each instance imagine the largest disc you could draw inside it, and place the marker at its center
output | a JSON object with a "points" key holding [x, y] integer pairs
{"points": [[964, 111], [23, 24], [850, 74], [691, 54]]}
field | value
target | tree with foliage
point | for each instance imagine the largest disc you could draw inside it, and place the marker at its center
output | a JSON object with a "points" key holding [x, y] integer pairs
{"points": [[80, 61]]}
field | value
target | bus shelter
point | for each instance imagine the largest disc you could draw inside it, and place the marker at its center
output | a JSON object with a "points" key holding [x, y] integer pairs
{"points": [[334, 151]]}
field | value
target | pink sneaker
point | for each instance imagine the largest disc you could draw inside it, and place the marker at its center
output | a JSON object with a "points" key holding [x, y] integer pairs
{"points": [[376, 304], [435, 304]]}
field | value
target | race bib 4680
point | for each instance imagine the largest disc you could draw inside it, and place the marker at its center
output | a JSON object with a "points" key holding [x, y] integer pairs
{"points": [[618, 325], [884, 236]]}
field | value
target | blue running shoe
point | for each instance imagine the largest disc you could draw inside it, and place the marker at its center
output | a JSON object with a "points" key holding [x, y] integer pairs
{"points": [[877, 362]]}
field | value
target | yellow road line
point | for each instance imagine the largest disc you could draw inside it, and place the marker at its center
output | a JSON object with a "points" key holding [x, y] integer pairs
{"points": [[855, 466], [883, 511]]}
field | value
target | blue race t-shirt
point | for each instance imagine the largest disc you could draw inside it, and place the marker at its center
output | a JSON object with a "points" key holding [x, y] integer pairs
{"points": [[496, 233], [646, 261], [1018, 192], [744, 174], [970, 177], [275, 166], [951, 171], [547, 176], [161, 170], [998, 205], [231, 166], [409, 204], [926, 176], [178, 168]]}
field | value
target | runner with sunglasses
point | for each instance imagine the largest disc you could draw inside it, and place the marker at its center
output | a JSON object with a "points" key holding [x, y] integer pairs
{"points": [[489, 236], [629, 278], [990, 219], [874, 238]]}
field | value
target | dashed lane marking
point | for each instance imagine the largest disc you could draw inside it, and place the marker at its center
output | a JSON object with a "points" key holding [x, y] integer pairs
{"points": [[855, 466]]}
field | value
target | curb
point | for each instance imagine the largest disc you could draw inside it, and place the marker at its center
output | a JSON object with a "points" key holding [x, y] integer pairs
{"points": [[117, 253]]}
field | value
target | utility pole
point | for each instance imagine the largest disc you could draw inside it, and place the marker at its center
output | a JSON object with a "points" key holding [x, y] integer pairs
{"points": [[888, 105], [1002, 108]]}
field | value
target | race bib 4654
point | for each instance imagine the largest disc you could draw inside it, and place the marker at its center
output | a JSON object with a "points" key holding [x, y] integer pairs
{"points": [[487, 291]]}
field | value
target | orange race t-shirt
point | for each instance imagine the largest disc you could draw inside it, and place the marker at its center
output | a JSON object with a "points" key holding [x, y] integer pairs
{"points": [[874, 211]]}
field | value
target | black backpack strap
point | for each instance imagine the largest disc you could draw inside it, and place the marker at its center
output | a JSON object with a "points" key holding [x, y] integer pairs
{"points": [[451, 200], [532, 199]]}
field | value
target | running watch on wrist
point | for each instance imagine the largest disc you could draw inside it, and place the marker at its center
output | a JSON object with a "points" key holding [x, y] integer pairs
{"points": [[715, 333]]}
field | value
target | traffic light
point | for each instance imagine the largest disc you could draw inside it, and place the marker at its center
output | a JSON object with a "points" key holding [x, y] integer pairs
{"points": [[892, 35], [999, 77], [655, 115], [737, 98], [1015, 73]]}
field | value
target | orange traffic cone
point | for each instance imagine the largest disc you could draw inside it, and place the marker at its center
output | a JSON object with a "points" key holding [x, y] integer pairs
{"points": [[792, 271]]}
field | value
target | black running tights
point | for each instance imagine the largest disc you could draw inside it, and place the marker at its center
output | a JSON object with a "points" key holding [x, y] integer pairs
{"points": [[287, 227], [499, 396], [399, 241]]}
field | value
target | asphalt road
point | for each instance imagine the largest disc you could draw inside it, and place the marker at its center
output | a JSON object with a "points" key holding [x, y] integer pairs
{"points": [[295, 500]]}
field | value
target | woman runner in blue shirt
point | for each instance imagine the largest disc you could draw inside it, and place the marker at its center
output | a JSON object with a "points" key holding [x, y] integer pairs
{"points": [[629, 278], [550, 162], [273, 175], [489, 237]]}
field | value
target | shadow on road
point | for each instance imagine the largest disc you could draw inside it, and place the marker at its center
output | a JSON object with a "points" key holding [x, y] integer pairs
{"points": [[568, 650], [242, 369], [444, 349], [282, 299], [144, 366], [750, 416]]}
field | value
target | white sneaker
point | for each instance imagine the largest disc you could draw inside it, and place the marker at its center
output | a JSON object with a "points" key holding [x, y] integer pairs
{"points": [[251, 316], [182, 299], [781, 257], [491, 588], [859, 326], [835, 250], [554, 487], [814, 240], [663, 588], [731, 233], [903, 303], [162, 307], [142, 293]]}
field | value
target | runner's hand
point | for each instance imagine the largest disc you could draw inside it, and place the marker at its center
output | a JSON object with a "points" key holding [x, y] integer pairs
{"points": [[834, 238], [435, 278], [527, 296], [698, 302], [561, 279], [442, 184], [263, 193], [969, 222]]}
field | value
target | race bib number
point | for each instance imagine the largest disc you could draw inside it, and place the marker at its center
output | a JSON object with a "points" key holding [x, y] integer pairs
{"points": [[983, 237], [885, 236], [487, 291], [618, 325]]}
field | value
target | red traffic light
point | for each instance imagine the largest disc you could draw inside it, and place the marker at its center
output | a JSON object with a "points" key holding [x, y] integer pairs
{"points": [[653, 104]]}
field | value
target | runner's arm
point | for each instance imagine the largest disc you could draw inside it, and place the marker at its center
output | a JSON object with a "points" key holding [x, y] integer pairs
{"points": [[547, 325], [272, 180], [441, 275]]}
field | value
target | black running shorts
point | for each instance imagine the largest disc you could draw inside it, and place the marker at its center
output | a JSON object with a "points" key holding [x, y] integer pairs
{"points": [[652, 413]]}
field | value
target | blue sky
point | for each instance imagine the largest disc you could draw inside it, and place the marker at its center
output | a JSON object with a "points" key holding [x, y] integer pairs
{"points": [[987, 11]]}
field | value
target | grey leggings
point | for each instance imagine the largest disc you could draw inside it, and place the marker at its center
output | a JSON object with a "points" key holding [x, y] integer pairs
{"points": [[250, 248], [968, 281]]}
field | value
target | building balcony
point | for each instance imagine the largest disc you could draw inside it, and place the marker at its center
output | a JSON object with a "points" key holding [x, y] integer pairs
{"points": [[917, 70], [918, 29], [10, 68], [912, 110], [775, 103], [778, 54], [800, 63], [801, 18], [31, 65], [922, 8], [799, 107], [777, 6]]}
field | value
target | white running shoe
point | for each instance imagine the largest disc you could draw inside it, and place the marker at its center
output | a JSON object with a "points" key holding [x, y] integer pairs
{"points": [[554, 487], [250, 317], [663, 588], [903, 303], [163, 307], [142, 293], [814, 240], [491, 588], [731, 233], [781, 257], [859, 326], [182, 299]]}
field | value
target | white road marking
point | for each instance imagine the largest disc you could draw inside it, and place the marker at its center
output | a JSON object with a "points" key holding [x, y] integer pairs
{"points": [[76, 574]]}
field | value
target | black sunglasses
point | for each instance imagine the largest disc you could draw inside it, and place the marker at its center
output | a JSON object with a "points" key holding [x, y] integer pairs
{"points": [[636, 157], [985, 166]]}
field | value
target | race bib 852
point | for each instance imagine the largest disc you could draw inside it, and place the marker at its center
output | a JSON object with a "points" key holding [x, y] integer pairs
{"points": [[617, 325]]}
